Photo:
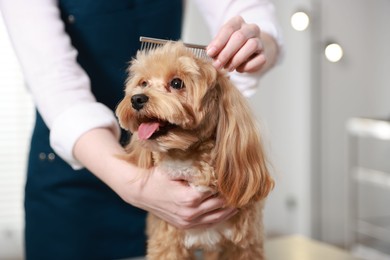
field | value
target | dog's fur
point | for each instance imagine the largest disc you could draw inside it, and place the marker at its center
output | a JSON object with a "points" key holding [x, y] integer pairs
{"points": [[207, 134]]}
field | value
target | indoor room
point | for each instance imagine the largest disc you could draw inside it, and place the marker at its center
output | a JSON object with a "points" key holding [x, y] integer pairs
{"points": [[324, 116]]}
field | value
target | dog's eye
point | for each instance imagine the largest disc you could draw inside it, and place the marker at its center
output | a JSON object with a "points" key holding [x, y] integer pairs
{"points": [[177, 83], [144, 83]]}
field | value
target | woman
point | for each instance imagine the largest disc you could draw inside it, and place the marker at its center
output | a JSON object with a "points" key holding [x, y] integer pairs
{"points": [[74, 55]]}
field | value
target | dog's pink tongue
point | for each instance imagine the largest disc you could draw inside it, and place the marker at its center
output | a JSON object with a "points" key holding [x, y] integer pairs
{"points": [[145, 130]]}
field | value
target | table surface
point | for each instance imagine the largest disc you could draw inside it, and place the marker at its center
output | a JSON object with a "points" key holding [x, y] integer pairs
{"points": [[297, 248], [301, 248]]}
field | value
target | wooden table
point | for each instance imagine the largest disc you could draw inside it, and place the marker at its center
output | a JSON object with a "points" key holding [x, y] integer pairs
{"points": [[302, 248], [297, 248]]}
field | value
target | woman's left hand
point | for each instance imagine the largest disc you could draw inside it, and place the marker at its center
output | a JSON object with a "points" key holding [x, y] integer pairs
{"points": [[238, 46]]}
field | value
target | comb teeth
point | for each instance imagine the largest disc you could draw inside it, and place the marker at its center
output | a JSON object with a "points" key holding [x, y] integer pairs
{"points": [[152, 43]]}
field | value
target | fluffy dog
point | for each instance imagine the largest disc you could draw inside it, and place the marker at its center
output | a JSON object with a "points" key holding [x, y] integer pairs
{"points": [[190, 119]]}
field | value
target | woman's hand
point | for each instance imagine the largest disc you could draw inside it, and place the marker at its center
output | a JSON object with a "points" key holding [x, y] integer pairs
{"points": [[152, 190], [242, 47], [174, 200]]}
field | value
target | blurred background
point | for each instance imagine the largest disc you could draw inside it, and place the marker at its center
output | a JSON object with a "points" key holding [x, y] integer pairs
{"points": [[324, 111]]}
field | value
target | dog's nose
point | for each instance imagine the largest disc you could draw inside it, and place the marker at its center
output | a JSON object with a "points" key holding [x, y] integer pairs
{"points": [[138, 101]]}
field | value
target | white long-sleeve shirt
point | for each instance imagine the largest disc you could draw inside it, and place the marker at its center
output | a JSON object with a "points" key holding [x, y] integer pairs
{"points": [[61, 89]]}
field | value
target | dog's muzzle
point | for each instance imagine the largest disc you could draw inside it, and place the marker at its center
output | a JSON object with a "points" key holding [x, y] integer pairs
{"points": [[138, 101]]}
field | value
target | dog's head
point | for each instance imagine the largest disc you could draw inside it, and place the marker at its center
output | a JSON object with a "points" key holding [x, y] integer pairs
{"points": [[169, 98], [174, 100]]}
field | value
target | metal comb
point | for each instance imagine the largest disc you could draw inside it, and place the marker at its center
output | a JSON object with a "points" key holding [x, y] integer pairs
{"points": [[148, 43]]}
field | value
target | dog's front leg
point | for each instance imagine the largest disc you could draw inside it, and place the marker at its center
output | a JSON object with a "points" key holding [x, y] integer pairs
{"points": [[165, 242]]}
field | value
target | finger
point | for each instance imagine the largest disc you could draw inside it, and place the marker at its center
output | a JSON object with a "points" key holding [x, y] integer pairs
{"points": [[187, 217], [223, 36], [253, 64], [190, 213], [208, 205], [247, 52], [236, 42], [192, 196], [215, 217]]}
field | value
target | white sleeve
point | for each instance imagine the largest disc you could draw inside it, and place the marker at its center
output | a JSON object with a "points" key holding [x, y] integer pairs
{"points": [[260, 12], [60, 87]]}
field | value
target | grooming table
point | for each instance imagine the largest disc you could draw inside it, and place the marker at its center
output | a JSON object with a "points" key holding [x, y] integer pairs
{"points": [[302, 248], [297, 248]]}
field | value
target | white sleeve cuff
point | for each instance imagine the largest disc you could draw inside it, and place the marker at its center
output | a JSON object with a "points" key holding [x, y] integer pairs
{"points": [[74, 122], [246, 83]]}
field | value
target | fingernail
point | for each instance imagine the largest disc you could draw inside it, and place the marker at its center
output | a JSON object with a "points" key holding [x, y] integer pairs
{"points": [[211, 51], [217, 64]]}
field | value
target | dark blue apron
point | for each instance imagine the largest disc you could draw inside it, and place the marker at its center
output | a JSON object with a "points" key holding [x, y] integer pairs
{"points": [[71, 214]]}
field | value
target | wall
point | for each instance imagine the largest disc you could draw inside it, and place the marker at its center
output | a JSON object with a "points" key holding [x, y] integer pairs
{"points": [[358, 85], [283, 105]]}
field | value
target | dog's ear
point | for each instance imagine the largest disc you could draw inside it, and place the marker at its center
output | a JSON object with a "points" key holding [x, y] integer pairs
{"points": [[122, 111], [240, 162]]}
